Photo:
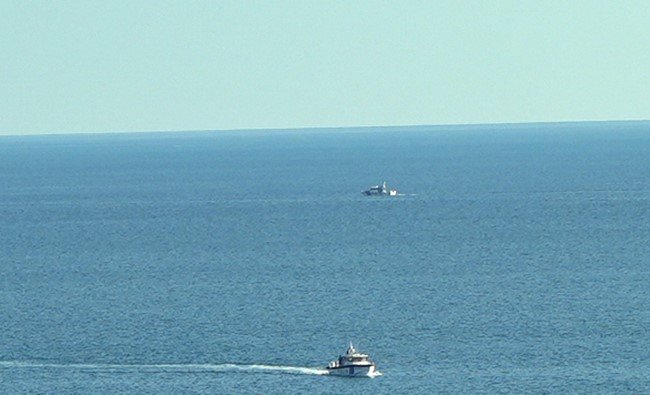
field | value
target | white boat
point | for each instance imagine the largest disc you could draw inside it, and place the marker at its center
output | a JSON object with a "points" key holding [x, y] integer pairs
{"points": [[380, 190], [353, 364]]}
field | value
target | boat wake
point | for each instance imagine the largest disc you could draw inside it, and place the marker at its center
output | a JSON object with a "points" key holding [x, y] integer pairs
{"points": [[163, 368]]}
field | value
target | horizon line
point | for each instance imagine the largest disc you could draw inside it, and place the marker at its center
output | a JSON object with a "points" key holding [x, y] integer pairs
{"points": [[324, 128]]}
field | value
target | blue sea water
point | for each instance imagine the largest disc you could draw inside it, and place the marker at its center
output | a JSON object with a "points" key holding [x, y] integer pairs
{"points": [[517, 260]]}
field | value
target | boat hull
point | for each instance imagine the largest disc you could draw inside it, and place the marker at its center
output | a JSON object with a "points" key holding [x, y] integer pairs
{"points": [[353, 371]]}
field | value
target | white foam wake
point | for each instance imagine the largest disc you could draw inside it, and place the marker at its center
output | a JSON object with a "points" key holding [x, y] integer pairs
{"points": [[221, 368]]}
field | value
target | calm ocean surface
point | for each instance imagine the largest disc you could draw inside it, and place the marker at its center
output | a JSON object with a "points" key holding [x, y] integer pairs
{"points": [[517, 261]]}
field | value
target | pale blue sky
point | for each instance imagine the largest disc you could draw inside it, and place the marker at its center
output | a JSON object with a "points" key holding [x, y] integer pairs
{"points": [[91, 66]]}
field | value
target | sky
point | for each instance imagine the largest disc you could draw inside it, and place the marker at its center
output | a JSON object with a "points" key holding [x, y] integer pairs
{"points": [[128, 66]]}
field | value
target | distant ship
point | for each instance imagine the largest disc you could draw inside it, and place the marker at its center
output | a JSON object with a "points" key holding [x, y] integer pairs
{"points": [[353, 364], [380, 190]]}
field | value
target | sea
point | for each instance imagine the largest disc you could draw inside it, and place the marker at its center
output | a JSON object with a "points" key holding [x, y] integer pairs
{"points": [[515, 259]]}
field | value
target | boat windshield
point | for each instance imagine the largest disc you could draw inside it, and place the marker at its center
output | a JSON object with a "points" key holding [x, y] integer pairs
{"points": [[358, 359]]}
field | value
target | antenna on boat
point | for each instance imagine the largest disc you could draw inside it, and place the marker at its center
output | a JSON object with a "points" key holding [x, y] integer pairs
{"points": [[351, 349]]}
